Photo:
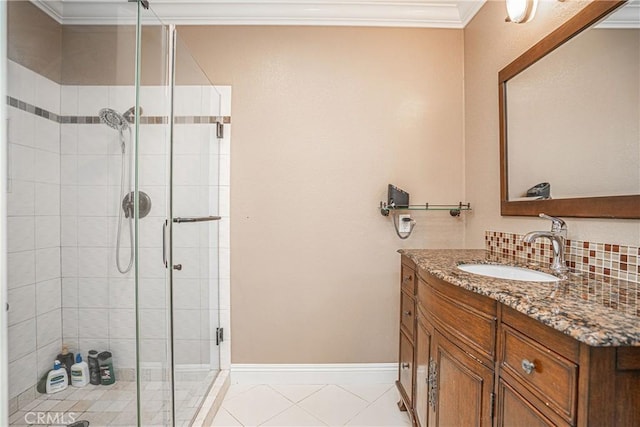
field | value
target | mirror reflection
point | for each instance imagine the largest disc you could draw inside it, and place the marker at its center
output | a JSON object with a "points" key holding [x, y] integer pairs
{"points": [[573, 118]]}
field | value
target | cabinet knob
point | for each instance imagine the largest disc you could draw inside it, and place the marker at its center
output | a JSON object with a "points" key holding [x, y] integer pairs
{"points": [[528, 366], [405, 366], [407, 313]]}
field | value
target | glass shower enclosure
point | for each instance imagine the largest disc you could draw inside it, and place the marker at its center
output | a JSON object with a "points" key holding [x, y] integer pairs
{"points": [[112, 196]]}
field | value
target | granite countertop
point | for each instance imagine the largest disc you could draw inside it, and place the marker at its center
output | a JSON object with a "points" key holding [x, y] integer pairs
{"points": [[599, 312]]}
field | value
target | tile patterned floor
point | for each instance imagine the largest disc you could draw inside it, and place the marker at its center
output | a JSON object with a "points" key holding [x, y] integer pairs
{"points": [[115, 405], [311, 405], [244, 405]]}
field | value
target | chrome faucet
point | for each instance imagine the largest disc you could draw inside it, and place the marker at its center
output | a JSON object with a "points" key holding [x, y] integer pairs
{"points": [[558, 238]]}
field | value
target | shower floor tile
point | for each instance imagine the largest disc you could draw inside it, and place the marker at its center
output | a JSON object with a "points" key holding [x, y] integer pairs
{"points": [[115, 405]]}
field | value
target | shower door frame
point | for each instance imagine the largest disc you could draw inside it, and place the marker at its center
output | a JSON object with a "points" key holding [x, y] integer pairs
{"points": [[170, 38], [167, 260], [4, 146]]}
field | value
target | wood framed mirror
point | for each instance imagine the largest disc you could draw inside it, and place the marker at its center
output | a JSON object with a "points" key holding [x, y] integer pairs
{"points": [[618, 201]]}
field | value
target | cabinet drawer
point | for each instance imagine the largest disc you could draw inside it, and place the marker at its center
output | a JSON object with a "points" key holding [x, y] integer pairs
{"points": [[407, 314], [546, 374], [408, 277], [465, 316], [515, 409], [405, 369]]}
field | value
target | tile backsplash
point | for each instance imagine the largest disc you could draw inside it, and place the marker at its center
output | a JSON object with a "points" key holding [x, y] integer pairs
{"points": [[602, 259]]}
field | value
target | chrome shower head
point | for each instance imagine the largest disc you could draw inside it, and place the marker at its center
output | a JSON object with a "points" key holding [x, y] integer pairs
{"points": [[113, 119], [130, 114]]}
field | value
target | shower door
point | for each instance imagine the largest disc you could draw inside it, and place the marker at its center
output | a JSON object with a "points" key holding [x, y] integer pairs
{"points": [[73, 121], [152, 177], [178, 247], [112, 138], [194, 232]]}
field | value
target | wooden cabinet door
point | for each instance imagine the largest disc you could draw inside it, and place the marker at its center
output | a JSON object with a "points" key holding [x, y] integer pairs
{"points": [[464, 387], [423, 353], [516, 411], [405, 370]]}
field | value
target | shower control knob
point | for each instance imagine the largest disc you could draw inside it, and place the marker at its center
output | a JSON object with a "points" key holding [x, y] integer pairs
{"points": [[177, 267]]}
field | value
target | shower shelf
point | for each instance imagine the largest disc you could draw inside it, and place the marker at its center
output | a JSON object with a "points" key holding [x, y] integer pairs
{"points": [[454, 210]]}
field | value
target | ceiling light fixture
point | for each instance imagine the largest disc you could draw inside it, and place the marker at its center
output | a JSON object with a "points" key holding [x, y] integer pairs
{"points": [[521, 11]]}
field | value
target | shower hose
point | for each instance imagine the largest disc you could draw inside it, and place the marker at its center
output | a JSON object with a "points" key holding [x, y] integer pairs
{"points": [[121, 210]]}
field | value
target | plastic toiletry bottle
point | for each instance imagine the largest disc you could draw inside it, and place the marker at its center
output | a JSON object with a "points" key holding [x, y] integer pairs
{"points": [[57, 379], [66, 359], [107, 375], [79, 372], [94, 368]]}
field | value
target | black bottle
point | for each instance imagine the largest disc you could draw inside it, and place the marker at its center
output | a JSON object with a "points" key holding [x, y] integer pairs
{"points": [[66, 359], [94, 367], [107, 375]]}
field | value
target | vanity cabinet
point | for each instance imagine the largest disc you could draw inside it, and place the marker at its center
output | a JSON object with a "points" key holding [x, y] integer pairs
{"points": [[548, 378], [454, 349], [424, 339], [462, 387], [406, 371], [478, 362], [538, 373]]}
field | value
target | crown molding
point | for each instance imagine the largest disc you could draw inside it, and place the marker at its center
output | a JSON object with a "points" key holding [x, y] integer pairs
{"points": [[628, 16], [378, 13]]}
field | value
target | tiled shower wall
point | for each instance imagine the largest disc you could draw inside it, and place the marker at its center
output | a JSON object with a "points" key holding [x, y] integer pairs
{"points": [[602, 259], [33, 202], [98, 301], [63, 199]]}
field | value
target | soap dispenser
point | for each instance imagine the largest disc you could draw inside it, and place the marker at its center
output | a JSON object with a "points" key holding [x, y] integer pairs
{"points": [[79, 372], [66, 359], [57, 379]]}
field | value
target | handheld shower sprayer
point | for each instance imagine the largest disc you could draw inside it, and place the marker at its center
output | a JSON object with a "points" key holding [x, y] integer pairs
{"points": [[121, 122]]}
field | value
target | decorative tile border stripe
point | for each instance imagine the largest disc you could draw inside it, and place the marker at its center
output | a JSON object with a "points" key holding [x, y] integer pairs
{"points": [[603, 259], [201, 119], [29, 108], [88, 120], [154, 120], [81, 120]]}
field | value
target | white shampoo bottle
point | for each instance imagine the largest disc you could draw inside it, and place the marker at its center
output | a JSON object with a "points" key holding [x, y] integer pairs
{"points": [[79, 372], [57, 379]]}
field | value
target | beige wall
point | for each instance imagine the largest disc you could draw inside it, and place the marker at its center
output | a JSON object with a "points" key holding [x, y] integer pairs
{"points": [[92, 54], [323, 120], [99, 55], [491, 44], [34, 39], [105, 55]]}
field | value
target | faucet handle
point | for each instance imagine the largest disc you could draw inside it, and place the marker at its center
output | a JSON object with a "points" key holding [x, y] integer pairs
{"points": [[557, 224]]}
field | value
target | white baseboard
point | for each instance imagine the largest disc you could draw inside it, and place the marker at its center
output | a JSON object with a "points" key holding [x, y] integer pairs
{"points": [[332, 373]]}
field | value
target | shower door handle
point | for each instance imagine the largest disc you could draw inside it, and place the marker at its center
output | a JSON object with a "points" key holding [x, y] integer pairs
{"points": [[179, 220], [164, 243]]}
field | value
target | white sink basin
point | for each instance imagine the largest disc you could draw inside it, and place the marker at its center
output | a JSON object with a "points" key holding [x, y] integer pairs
{"points": [[508, 272]]}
